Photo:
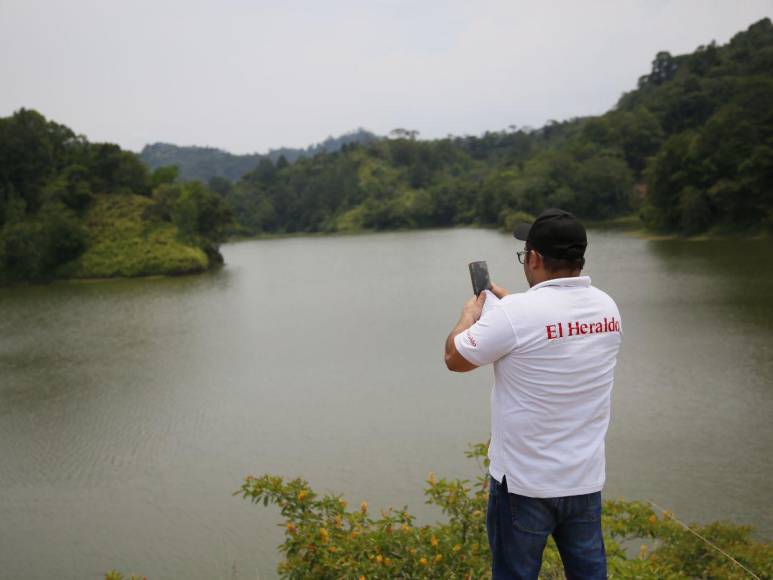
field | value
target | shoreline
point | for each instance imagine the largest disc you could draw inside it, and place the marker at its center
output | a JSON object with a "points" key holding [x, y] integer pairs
{"points": [[102, 279], [628, 225]]}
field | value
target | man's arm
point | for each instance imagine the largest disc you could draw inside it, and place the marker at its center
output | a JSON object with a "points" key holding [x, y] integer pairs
{"points": [[470, 315], [471, 312]]}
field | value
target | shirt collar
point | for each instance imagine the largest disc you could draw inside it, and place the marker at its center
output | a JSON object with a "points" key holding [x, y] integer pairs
{"points": [[574, 281]]}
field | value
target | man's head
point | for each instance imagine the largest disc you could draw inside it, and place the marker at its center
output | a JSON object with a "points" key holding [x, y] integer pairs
{"points": [[555, 246]]}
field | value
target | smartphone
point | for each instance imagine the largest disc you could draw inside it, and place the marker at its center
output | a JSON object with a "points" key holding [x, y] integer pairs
{"points": [[479, 276]]}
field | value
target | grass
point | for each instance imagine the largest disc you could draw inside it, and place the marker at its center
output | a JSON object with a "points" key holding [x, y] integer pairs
{"points": [[123, 243]]}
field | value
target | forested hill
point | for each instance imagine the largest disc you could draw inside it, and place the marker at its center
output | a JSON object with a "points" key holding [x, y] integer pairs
{"points": [[74, 209], [690, 149], [204, 163]]}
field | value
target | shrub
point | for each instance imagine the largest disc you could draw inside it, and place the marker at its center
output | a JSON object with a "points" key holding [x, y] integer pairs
{"points": [[508, 219], [324, 539]]}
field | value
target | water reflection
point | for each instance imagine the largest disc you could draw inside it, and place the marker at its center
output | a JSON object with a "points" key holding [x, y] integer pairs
{"points": [[735, 276]]}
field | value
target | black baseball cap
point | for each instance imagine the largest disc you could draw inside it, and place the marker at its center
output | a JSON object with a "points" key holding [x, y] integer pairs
{"points": [[555, 233]]}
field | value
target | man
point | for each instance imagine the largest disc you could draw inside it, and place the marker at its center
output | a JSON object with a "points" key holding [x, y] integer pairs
{"points": [[554, 349]]}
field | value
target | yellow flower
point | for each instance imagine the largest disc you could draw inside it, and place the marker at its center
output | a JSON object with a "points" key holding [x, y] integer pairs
{"points": [[431, 478], [302, 494], [457, 547], [364, 507], [653, 519], [411, 551], [423, 561], [291, 527], [354, 535], [405, 528], [434, 542], [379, 559], [362, 578], [324, 535], [438, 558], [332, 549], [476, 514], [343, 503], [387, 561]]}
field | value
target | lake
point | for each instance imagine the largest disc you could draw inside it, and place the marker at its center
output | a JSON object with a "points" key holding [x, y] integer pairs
{"points": [[130, 410]]}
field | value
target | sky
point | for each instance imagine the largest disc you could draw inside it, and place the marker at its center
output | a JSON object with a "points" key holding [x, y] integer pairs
{"points": [[251, 75]]}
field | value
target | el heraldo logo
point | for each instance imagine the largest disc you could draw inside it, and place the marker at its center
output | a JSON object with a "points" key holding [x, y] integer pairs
{"points": [[560, 329]]}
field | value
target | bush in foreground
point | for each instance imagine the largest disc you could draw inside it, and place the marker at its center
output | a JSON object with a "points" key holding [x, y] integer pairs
{"points": [[324, 539]]}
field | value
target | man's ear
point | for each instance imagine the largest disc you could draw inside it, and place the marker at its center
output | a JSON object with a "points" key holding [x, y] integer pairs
{"points": [[535, 260]]}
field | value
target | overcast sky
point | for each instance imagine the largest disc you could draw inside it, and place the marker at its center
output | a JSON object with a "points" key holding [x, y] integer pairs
{"points": [[249, 75]]}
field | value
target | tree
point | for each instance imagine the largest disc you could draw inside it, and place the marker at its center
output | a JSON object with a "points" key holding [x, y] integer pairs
{"points": [[220, 185], [264, 172], [670, 172], [22, 251], [664, 68], [31, 152], [401, 133], [117, 171], [200, 214], [163, 175], [639, 134], [185, 214]]}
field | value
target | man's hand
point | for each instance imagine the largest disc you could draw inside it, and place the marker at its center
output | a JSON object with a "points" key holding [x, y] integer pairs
{"points": [[470, 315], [472, 309], [498, 291]]}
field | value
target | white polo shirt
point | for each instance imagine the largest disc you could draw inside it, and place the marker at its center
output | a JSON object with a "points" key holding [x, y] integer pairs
{"points": [[554, 349]]}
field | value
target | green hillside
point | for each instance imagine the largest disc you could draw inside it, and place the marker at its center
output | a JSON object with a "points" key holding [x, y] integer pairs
{"points": [[690, 149], [70, 208]]}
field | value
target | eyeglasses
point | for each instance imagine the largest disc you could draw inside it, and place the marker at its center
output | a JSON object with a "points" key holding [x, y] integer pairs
{"points": [[522, 255]]}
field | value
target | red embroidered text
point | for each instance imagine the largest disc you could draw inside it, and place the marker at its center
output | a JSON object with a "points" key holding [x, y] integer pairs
{"points": [[560, 329]]}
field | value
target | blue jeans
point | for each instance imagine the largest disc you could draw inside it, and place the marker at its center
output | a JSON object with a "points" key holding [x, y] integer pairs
{"points": [[518, 529]]}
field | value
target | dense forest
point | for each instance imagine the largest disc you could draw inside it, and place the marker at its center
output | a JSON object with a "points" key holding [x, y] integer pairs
{"points": [[70, 208], [204, 163], [690, 150]]}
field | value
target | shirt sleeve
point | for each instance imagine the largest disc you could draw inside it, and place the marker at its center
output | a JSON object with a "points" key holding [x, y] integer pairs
{"points": [[488, 340]]}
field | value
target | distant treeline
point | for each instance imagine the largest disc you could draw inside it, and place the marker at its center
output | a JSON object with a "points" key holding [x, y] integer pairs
{"points": [[690, 149], [204, 163]]}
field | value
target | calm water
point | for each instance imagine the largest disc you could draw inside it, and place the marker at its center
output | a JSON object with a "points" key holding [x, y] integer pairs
{"points": [[130, 410]]}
